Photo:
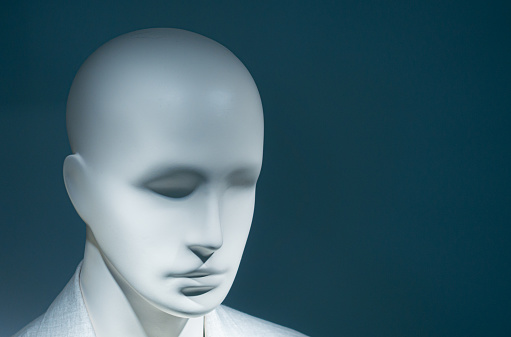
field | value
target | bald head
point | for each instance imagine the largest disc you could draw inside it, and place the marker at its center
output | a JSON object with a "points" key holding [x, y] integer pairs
{"points": [[166, 127], [158, 81]]}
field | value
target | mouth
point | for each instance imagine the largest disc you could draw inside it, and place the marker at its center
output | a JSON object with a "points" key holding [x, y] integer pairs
{"points": [[197, 282], [196, 291], [195, 274]]}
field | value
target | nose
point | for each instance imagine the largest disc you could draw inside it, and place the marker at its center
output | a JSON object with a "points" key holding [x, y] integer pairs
{"points": [[203, 253], [209, 236]]}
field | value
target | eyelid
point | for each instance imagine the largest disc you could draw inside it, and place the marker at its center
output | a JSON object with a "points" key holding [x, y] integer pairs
{"points": [[175, 185]]}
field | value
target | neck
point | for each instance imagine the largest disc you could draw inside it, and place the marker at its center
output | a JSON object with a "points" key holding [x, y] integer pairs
{"points": [[115, 309]]}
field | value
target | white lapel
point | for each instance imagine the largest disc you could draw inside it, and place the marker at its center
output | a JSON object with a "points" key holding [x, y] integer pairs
{"points": [[67, 316]]}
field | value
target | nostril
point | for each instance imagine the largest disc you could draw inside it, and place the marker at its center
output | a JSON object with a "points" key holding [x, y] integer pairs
{"points": [[203, 253]]}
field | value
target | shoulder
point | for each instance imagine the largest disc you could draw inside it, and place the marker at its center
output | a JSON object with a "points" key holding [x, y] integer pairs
{"points": [[66, 316], [232, 322]]}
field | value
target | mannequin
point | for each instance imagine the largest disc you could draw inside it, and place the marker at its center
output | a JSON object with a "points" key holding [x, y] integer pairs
{"points": [[166, 129]]}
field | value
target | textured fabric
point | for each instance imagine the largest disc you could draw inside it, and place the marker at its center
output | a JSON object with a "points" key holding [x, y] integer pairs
{"points": [[68, 317]]}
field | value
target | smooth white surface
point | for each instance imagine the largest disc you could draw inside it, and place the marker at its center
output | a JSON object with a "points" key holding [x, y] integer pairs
{"points": [[166, 127]]}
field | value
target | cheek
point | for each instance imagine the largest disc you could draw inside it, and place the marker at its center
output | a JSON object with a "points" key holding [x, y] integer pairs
{"points": [[141, 231], [237, 212]]}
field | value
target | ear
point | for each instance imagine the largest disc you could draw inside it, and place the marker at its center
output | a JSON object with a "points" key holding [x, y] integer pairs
{"points": [[76, 181]]}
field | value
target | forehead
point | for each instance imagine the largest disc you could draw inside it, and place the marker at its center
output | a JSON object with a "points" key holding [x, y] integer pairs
{"points": [[210, 127], [180, 97]]}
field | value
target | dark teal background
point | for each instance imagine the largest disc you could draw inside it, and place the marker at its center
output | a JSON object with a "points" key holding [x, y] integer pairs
{"points": [[383, 208]]}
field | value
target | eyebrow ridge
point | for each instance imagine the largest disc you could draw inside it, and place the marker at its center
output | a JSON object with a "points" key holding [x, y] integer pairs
{"points": [[169, 172]]}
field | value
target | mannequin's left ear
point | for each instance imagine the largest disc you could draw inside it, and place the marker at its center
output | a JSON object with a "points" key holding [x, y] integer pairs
{"points": [[77, 186]]}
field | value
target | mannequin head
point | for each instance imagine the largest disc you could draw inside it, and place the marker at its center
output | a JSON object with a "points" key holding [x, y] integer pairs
{"points": [[166, 129]]}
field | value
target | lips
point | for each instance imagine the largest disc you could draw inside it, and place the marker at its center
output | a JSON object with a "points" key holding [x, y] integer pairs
{"points": [[195, 274], [196, 291], [197, 282]]}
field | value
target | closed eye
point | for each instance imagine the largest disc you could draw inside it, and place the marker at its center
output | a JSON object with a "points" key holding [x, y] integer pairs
{"points": [[176, 185]]}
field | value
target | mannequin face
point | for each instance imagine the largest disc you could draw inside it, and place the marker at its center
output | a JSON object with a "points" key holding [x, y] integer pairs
{"points": [[174, 202], [172, 150]]}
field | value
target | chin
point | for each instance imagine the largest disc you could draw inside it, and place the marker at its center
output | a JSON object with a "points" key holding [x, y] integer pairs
{"points": [[189, 311], [191, 306]]}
